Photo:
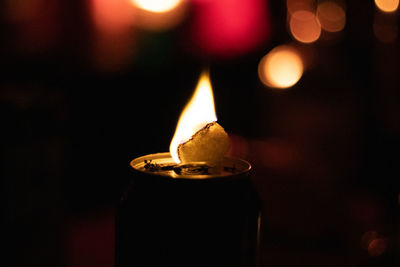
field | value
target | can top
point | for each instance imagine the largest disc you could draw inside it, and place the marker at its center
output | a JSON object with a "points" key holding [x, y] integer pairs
{"points": [[163, 164]]}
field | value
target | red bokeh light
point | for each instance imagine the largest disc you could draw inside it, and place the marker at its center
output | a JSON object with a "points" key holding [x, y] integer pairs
{"points": [[230, 27]]}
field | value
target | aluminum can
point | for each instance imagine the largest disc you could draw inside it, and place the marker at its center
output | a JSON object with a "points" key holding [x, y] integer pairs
{"points": [[187, 215]]}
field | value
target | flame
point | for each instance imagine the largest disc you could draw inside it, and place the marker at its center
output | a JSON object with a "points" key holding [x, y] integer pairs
{"points": [[198, 112]]}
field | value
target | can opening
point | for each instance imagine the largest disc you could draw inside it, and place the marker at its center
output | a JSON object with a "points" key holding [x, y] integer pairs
{"points": [[195, 168], [163, 164]]}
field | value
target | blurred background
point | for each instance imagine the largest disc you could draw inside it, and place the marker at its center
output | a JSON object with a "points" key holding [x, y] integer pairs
{"points": [[307, 89]]}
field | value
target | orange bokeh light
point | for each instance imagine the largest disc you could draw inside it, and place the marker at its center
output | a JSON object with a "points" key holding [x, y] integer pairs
{"points": [[387, 5], [112, 16], [375, 244], [114, 38], [282, 67], [377, 247], [331, 16], [304, 26]]}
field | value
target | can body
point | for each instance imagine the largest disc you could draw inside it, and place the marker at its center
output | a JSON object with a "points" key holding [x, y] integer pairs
{"points": [[165, 221]]}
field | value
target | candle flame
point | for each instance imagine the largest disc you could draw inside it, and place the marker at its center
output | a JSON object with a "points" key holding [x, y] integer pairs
{"points": [[199, 111]]}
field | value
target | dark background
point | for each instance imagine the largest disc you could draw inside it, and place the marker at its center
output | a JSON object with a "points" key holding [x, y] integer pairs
{"points": [[79, 102]]}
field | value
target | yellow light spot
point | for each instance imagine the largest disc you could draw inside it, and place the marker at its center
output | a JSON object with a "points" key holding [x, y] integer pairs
{"points": [[331, 16], [387, 5], [160, 16], [282, 67], [304, 26], [198, 112], [158, 6]]}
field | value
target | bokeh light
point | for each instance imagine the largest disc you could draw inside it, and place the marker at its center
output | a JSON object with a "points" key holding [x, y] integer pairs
{"points": [[157, 6], [282, 67], [160, 20], [304, 26], [331, 16], [387, 5], [112, 16], [112, 47], [377, 247], [374, 243], [367, 237], [229, 28]]}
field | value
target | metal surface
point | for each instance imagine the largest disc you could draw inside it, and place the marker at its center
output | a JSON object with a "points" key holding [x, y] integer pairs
{"points": [[229, 167], [167, 219]]}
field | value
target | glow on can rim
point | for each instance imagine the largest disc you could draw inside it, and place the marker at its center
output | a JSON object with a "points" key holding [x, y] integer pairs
{"points": [[162, 164]]}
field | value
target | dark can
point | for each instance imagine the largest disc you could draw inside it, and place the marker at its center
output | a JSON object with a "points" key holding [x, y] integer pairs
{"points": [[188, 215]]}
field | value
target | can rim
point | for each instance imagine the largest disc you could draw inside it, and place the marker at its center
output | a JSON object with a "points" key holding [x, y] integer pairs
{"points": [[139, 162]]}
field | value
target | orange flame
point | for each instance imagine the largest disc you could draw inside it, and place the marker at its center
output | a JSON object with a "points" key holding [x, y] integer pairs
{"points": [[198, 112]]}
